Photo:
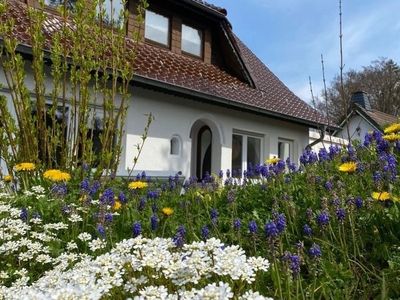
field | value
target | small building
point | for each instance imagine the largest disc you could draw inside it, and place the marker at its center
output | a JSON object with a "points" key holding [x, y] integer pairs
{"points": [[363, 119], [216, 105]]}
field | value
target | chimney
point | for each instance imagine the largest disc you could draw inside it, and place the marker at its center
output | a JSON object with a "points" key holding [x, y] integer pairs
{"points": [[361, 98]]}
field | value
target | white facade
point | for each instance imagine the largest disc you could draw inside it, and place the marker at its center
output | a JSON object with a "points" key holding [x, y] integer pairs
{"points": [[181, 118], [357, 126], [327, 141], [177, 124]]}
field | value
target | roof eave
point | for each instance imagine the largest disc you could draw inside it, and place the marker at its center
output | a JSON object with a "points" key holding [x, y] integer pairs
{"points": [[204, 8], [176, 89]]}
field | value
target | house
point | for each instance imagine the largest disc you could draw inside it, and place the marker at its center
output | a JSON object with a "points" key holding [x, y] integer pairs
{"points": [[216, 105], [363, 119]]}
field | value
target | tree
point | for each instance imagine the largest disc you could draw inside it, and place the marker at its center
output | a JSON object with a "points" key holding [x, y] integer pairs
{"points": [[91, 66], [381, 80]]}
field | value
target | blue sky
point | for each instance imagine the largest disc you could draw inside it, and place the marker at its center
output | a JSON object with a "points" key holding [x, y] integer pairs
{"points": [[289, 36]]}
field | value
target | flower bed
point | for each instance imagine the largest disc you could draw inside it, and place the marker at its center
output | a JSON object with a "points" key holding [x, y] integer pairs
{"points": [[329, 228]]}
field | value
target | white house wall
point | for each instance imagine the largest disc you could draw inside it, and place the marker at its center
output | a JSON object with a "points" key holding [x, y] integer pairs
{"points": [[327, 141], [175, 116], [358, 127]]}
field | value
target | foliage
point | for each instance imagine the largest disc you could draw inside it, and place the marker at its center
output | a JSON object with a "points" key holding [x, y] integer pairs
{"points": [[77, 117], [327, 231], [381, 80]]}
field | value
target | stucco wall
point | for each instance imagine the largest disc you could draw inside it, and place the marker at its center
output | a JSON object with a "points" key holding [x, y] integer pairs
{"points": [[177, 115], [358, 128], [327, 141]]}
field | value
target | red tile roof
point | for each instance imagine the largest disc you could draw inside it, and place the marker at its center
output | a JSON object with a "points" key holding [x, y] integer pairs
{"points": [[270, 96], [381, 119]]}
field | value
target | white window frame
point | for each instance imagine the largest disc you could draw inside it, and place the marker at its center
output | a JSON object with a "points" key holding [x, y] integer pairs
{"points": [[245, 135]]}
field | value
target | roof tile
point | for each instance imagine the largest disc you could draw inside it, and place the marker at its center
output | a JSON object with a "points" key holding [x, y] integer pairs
{"points": [[152, 62]]}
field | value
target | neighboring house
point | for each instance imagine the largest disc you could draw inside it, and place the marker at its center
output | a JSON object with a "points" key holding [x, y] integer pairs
{"points": [[216, 105], [363, 119]]}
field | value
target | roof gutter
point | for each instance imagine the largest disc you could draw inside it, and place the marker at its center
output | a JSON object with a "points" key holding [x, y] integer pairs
{"points": [[202, 7], [161, 85]]}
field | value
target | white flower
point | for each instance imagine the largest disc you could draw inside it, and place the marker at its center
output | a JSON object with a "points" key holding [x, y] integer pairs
{"points": [[84, 236], [28, 193], [214, 291], [72, 246], [250, 295], [4, 275], [97, 244], [55, 226], [74, 218], [38, 189]]}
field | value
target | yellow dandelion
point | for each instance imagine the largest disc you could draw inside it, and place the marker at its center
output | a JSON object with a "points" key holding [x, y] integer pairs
{"points": [[391, 137], [56, 175], [381, 196], [117, 205], [8, 178], [392, 128], [167, 211], [349, 167], [25, 166], [136, 185], [272, 161]]}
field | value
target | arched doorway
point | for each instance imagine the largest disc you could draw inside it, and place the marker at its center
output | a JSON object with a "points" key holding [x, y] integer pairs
{"points": [[204, 151], [207, 140]]}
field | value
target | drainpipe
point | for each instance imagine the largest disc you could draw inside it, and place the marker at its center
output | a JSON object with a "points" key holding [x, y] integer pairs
{"points": [[321, 138]]}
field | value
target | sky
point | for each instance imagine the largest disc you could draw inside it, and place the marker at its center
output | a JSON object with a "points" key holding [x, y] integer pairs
{"points": [[289, 36]]}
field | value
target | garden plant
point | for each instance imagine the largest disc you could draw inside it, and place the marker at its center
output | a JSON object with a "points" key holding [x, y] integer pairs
{"points": [[326, 229]]}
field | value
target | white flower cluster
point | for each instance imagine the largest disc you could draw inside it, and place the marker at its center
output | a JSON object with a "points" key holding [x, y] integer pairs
{"points": [[144, 268], [137, 268]]}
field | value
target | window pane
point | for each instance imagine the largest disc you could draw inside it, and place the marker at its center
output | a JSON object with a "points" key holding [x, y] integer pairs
{"points": [[156, 28], [253, 151], [237, 151], [191, 40], [284, 150]]}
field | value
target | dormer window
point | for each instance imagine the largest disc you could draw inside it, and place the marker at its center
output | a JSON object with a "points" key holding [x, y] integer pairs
{"points": [[192, 40], [156, 28]]}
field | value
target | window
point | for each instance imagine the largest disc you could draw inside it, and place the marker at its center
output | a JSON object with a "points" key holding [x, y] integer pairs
{"points": [[192, 40], [174, 146], [285, 149], [112, 12], [246, 152], [156, 28]]}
